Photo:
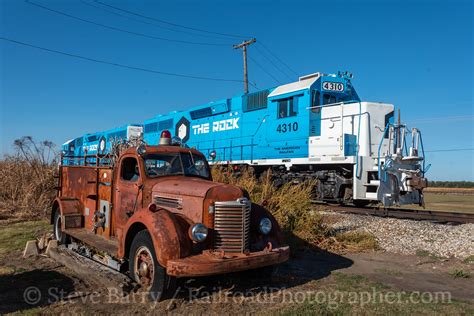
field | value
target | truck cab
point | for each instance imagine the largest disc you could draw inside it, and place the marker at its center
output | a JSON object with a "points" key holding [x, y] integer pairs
{"points": [[156, 214]]}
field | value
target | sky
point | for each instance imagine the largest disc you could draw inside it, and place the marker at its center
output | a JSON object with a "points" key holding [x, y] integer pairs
{"points": [[417, 55]]}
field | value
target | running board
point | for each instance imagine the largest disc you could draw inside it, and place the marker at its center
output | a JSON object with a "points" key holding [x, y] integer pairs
{"points": [[109, 246]]}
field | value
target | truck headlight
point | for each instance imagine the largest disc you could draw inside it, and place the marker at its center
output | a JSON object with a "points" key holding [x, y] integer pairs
{"points": [[265, 225], [199, 232]]}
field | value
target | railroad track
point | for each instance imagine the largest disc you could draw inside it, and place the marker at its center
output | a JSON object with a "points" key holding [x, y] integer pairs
{"points": [[415, 214]]}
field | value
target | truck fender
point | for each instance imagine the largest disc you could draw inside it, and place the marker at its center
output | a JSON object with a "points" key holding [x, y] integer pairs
{"points": [[258, 212], [66, 206], [169, 240]]}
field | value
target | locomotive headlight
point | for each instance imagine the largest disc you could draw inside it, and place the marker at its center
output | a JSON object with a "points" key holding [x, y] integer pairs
{"points": [[265, 226], [199, 232]]}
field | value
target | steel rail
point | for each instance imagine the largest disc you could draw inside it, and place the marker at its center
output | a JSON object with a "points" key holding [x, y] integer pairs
{"points": [[415, 214]]}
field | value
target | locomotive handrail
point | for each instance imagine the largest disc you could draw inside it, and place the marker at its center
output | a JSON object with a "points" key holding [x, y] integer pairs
{"points": [[358, 139], [208, 150], [380, 147], [328, 105], [101, 159]]}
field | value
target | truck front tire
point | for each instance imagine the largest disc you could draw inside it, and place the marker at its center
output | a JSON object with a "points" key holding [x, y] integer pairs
{"points": [[59, 235], [146, 271]]}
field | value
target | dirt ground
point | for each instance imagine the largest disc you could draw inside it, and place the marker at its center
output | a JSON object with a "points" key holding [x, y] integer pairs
{"points": [[311, 282]]}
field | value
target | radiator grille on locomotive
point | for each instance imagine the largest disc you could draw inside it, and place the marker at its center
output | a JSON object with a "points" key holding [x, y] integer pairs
{"points": [[232, 225]]}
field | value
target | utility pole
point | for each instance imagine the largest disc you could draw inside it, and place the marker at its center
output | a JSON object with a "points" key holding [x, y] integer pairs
{"points": [[244, 45]]}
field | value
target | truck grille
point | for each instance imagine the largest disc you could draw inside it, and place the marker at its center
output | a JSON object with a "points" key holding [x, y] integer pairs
{"points": [[232, 225]]}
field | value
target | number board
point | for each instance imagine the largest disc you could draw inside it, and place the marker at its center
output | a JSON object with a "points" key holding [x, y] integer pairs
{"points": [[333, 86]]}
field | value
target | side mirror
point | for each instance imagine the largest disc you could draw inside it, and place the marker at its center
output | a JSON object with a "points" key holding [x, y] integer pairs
{"points": [[141, 150]]}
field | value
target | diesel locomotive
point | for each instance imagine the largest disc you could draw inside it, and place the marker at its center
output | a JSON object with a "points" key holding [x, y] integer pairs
{"points": [[316, 128]]}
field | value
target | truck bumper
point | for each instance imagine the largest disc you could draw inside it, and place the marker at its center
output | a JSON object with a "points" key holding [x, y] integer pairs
{"points": [[210, 263]]}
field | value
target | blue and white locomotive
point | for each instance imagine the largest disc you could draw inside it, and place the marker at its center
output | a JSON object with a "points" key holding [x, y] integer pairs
{"points": [[98, 143], [315, 128]]}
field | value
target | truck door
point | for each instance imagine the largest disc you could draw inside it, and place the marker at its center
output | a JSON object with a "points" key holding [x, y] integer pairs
{"points": [[127, 192]]}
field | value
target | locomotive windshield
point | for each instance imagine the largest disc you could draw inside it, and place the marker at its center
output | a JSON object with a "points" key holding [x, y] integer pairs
{"points": [[173, 164]]}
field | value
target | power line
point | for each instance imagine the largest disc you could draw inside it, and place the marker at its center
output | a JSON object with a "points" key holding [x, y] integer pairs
{"points": [[145, 22], [274, 65], [119, 65], [264, 70], [170, 23], [119, 29], [276, 57]]}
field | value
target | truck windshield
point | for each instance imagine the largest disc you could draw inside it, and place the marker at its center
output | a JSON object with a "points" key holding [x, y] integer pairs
{"points": [[188, 164]]}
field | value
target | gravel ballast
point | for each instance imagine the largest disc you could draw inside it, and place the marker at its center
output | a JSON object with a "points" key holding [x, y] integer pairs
{"points": [[409, 236]]}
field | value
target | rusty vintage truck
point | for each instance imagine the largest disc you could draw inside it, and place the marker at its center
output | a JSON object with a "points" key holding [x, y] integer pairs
{"points": [[157, 215]]}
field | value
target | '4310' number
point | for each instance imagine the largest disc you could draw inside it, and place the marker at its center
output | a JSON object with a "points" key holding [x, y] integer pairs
{"points": [[287, 127]]}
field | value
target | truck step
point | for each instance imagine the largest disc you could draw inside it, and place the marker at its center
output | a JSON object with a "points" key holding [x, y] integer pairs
{"points": [[97, 241]]}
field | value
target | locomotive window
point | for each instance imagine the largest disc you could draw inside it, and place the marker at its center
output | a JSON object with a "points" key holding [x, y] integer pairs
{"points": [[287, 107], [315, 101], [130, 169], [388, 119], [92, 138], [79, 142], [328, 99]]}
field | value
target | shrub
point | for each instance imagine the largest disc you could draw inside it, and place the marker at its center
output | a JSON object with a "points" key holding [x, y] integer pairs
{"points": [[27, 180], [290, 204]]}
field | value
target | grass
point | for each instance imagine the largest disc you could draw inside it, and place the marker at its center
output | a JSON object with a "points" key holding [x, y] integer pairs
{"points": [[447, 202], [357, 240], [469, 260], [388, 271], [459, 273], [427, 254], [352, 294], [14, 237], [6, 270]]}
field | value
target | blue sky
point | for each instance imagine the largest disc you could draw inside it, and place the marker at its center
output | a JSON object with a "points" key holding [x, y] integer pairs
{"points": [[417, 55]]}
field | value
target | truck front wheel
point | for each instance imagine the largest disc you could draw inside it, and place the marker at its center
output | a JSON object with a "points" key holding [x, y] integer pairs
{"points": [[145, 269], [59, 235]]}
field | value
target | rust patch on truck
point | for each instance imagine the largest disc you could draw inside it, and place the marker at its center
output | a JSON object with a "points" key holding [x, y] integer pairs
{"points": [[168, 192]]}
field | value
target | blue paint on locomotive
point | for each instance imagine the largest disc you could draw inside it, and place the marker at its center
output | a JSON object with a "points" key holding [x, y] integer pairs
{"points": [[90, 144], [269, 124]]}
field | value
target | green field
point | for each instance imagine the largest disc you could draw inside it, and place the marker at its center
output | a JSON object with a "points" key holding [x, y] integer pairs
{"points": [[448, 202]]}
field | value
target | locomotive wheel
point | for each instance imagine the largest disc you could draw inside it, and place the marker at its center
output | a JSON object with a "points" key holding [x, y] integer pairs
{"points": [[146, 271], [57, 230]]}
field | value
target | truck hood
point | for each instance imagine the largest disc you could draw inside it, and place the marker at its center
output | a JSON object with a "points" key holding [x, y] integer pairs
{"points": [[184, 186], [187, 195]]}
